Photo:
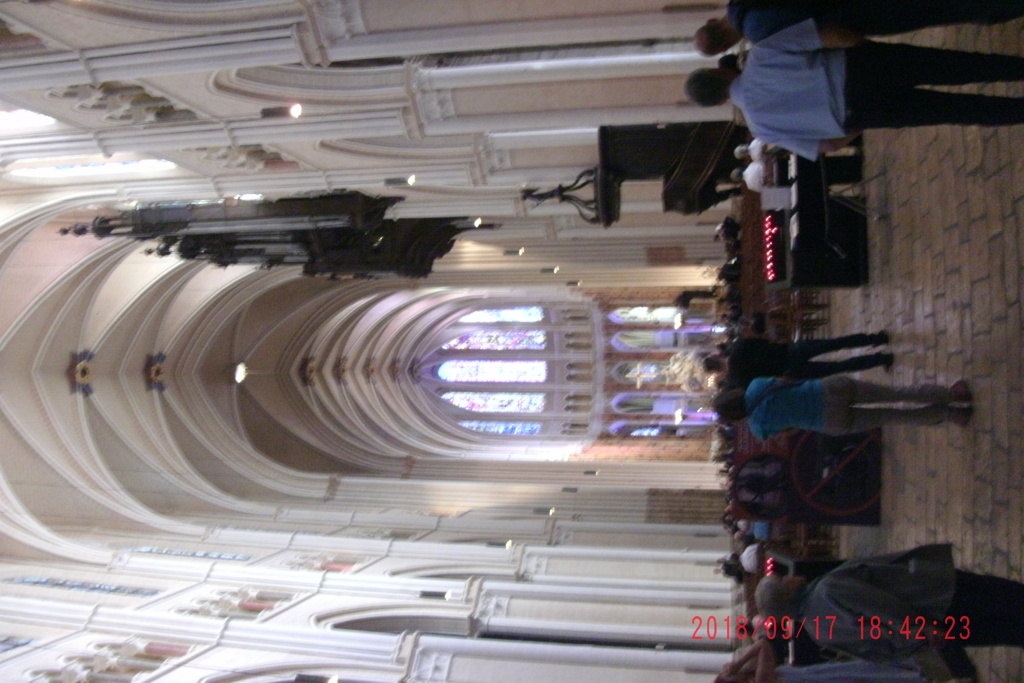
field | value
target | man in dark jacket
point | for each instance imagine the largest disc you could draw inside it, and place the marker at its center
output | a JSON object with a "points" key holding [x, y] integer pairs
{"points": [[753, 357], [886, 607], [811, 90], [758, 19]]}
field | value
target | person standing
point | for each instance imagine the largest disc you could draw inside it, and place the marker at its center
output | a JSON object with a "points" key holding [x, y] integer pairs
{"points": [[753, 357], [755, 20], [871, 603], [837, 405], [811, 92]]}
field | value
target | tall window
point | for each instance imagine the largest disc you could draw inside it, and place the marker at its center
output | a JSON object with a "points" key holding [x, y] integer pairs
{"points": [[493, 371], [503, 428], [496, 402], [520, 378], [12, 642], [510, 337], [87, 586], [521, 314], [499, 340], [189, 553]]}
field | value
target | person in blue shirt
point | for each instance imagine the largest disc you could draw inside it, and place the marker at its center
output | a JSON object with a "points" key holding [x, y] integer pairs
{"points": [[755, 20], [802, 90], [839, 405]]}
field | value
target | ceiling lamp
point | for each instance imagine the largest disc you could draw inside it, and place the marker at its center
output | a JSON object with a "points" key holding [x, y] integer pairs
{"points": [[293, 111]]}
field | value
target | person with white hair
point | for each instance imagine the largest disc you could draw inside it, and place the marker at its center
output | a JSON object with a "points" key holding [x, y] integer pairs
{"points": [[754, 150], [754, 175]]}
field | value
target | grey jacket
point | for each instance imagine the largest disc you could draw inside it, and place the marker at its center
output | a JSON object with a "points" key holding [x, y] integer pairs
{"points": [[910, 584]]}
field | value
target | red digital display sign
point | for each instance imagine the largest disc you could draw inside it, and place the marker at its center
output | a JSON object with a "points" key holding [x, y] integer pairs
{"points": [[774, 259]]}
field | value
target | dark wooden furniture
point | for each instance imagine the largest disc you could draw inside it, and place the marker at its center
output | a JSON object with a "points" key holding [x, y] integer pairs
{"points": [[690, 158], [691, 183]]}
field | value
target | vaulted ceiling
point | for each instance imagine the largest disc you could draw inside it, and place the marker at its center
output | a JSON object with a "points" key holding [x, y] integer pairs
{"points": [[480, 99]]}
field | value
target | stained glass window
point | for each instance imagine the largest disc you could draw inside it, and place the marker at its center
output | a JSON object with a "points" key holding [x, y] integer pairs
{"points": [[87, 586], [504, 428], [500, 340], [522, 314], [10, 643], [665, 315], [640, 372], [519, 335], [189, 553], [493, 371], [496, 402]]}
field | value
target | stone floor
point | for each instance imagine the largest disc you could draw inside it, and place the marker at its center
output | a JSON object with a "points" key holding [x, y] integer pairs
{"points": [[946, 250]]}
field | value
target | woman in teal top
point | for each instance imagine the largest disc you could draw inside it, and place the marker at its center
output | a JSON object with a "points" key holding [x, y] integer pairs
{"points": [[776, 405], [838, 405]]}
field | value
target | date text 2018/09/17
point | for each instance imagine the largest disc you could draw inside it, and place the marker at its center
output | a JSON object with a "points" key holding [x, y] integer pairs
{"points": [[785, 628]]}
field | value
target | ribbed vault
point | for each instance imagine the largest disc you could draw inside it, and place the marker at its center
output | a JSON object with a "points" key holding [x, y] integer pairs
{"points": [[333, 387]]}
